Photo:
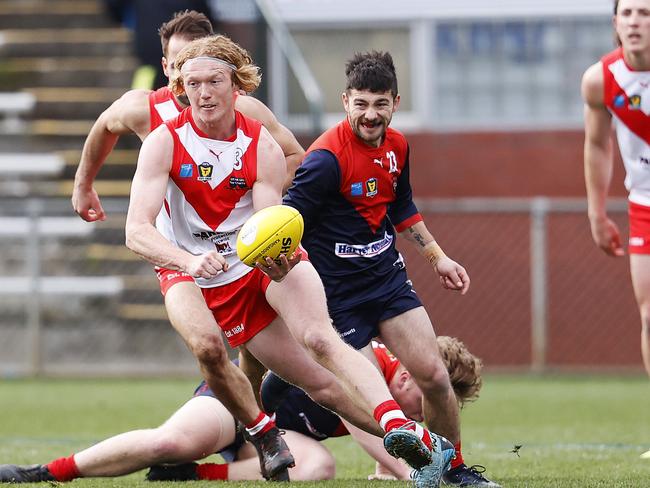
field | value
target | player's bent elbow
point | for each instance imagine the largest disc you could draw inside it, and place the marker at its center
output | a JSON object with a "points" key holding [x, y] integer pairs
{"points": [[129, 240], [132, 234]]}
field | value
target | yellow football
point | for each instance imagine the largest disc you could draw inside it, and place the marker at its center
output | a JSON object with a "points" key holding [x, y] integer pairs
{"points": [[268, 233]]}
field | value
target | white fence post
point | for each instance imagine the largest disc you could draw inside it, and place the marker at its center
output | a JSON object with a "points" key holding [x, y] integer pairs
{"points": [[538, 282], [33, 299]]}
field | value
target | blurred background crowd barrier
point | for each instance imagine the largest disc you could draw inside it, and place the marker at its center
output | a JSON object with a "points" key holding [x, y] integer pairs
{"points": [[491, 107]]}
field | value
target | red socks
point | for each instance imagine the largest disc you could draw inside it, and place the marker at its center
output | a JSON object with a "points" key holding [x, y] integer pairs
{"points": [[63, 469], [212, 471], [260, 425], [458, 460], [389, 415]]}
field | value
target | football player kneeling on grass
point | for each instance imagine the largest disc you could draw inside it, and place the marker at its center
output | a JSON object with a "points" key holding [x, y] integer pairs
{"points": [[203, 426]]}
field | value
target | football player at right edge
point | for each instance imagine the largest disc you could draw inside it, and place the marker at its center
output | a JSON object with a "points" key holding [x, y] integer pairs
{"points": [[616, 89]]}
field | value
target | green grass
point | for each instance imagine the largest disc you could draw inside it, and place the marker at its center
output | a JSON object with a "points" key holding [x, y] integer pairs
{"points": [[575, 431]]}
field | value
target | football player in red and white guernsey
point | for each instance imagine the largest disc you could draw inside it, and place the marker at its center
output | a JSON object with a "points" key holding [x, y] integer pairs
{"points": [[140, 112], [617, 89], [210, 169]]}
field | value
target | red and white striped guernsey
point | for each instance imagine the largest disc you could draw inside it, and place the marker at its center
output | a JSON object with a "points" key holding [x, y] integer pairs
{"points": [[627, 97], [209, 194]]}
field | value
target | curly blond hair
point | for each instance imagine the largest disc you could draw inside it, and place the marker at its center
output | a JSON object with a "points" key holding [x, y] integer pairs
{"points": [[464, 369], [246, 77]]}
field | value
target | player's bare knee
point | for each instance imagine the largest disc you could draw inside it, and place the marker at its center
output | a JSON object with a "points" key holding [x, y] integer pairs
{"points": [[315, 468], [435, 381], [209, 350], [168, 447], [319, 343]]}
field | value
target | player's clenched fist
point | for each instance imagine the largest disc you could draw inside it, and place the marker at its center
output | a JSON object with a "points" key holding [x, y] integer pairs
{"points": [[206, 265]]}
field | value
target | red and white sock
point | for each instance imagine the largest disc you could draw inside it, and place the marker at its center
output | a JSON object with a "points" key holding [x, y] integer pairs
{"points": [[64, 469], [458, 460], [389, 415], [261, 425], [212, 471]]}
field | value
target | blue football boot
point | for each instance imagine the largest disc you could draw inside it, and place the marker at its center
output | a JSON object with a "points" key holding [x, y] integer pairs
{"points": [[431, 475]]}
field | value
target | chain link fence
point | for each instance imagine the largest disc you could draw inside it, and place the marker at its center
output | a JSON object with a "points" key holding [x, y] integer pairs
{"points": [[75, 301]]}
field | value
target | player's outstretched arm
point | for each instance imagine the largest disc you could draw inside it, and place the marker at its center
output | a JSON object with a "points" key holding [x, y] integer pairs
{"points": [[128, 114], [599, 161], [452, 275]]}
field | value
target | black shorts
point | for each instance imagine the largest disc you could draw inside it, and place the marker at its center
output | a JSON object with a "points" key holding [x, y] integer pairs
{"points": [[294, 410], [359, 324]]}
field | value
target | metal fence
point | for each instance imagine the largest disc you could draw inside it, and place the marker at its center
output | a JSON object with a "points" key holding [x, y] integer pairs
{"points": [[75, 301]]}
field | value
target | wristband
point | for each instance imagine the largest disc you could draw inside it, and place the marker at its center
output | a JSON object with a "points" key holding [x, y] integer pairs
{"points": [[433, 252]]}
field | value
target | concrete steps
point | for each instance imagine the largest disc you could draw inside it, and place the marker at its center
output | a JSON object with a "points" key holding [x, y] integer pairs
{"points": [[75, 63], [28, 14], [84, 102]]}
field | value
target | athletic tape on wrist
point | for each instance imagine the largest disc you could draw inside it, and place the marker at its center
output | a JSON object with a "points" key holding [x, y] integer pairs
{"points": [[433, 252]]}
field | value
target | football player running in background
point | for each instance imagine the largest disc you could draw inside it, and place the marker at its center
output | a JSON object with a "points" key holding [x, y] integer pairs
{"points": [[354, 194], [616, 89], [202, 426]]}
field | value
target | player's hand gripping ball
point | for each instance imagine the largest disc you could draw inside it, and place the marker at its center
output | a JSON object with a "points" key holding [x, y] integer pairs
{"points": [[268, 233]]}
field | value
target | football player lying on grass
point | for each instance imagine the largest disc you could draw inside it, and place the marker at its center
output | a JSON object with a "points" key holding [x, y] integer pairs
{"points": [[203, 426]]}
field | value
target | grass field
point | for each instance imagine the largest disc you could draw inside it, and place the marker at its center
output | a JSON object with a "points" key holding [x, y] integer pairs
{"points": [[575, 431]]}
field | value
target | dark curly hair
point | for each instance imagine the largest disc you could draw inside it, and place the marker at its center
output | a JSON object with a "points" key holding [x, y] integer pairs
{"points": [[373, 71]]}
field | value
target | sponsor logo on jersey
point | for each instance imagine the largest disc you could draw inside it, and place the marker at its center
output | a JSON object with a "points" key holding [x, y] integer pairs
{"points": [[221, 240], [371, 187], [187, 170], [356, 189], [635, 102], [205, 171], [369, 250], [379, 161], [237, 183], [645, 162], [619, 101]]}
